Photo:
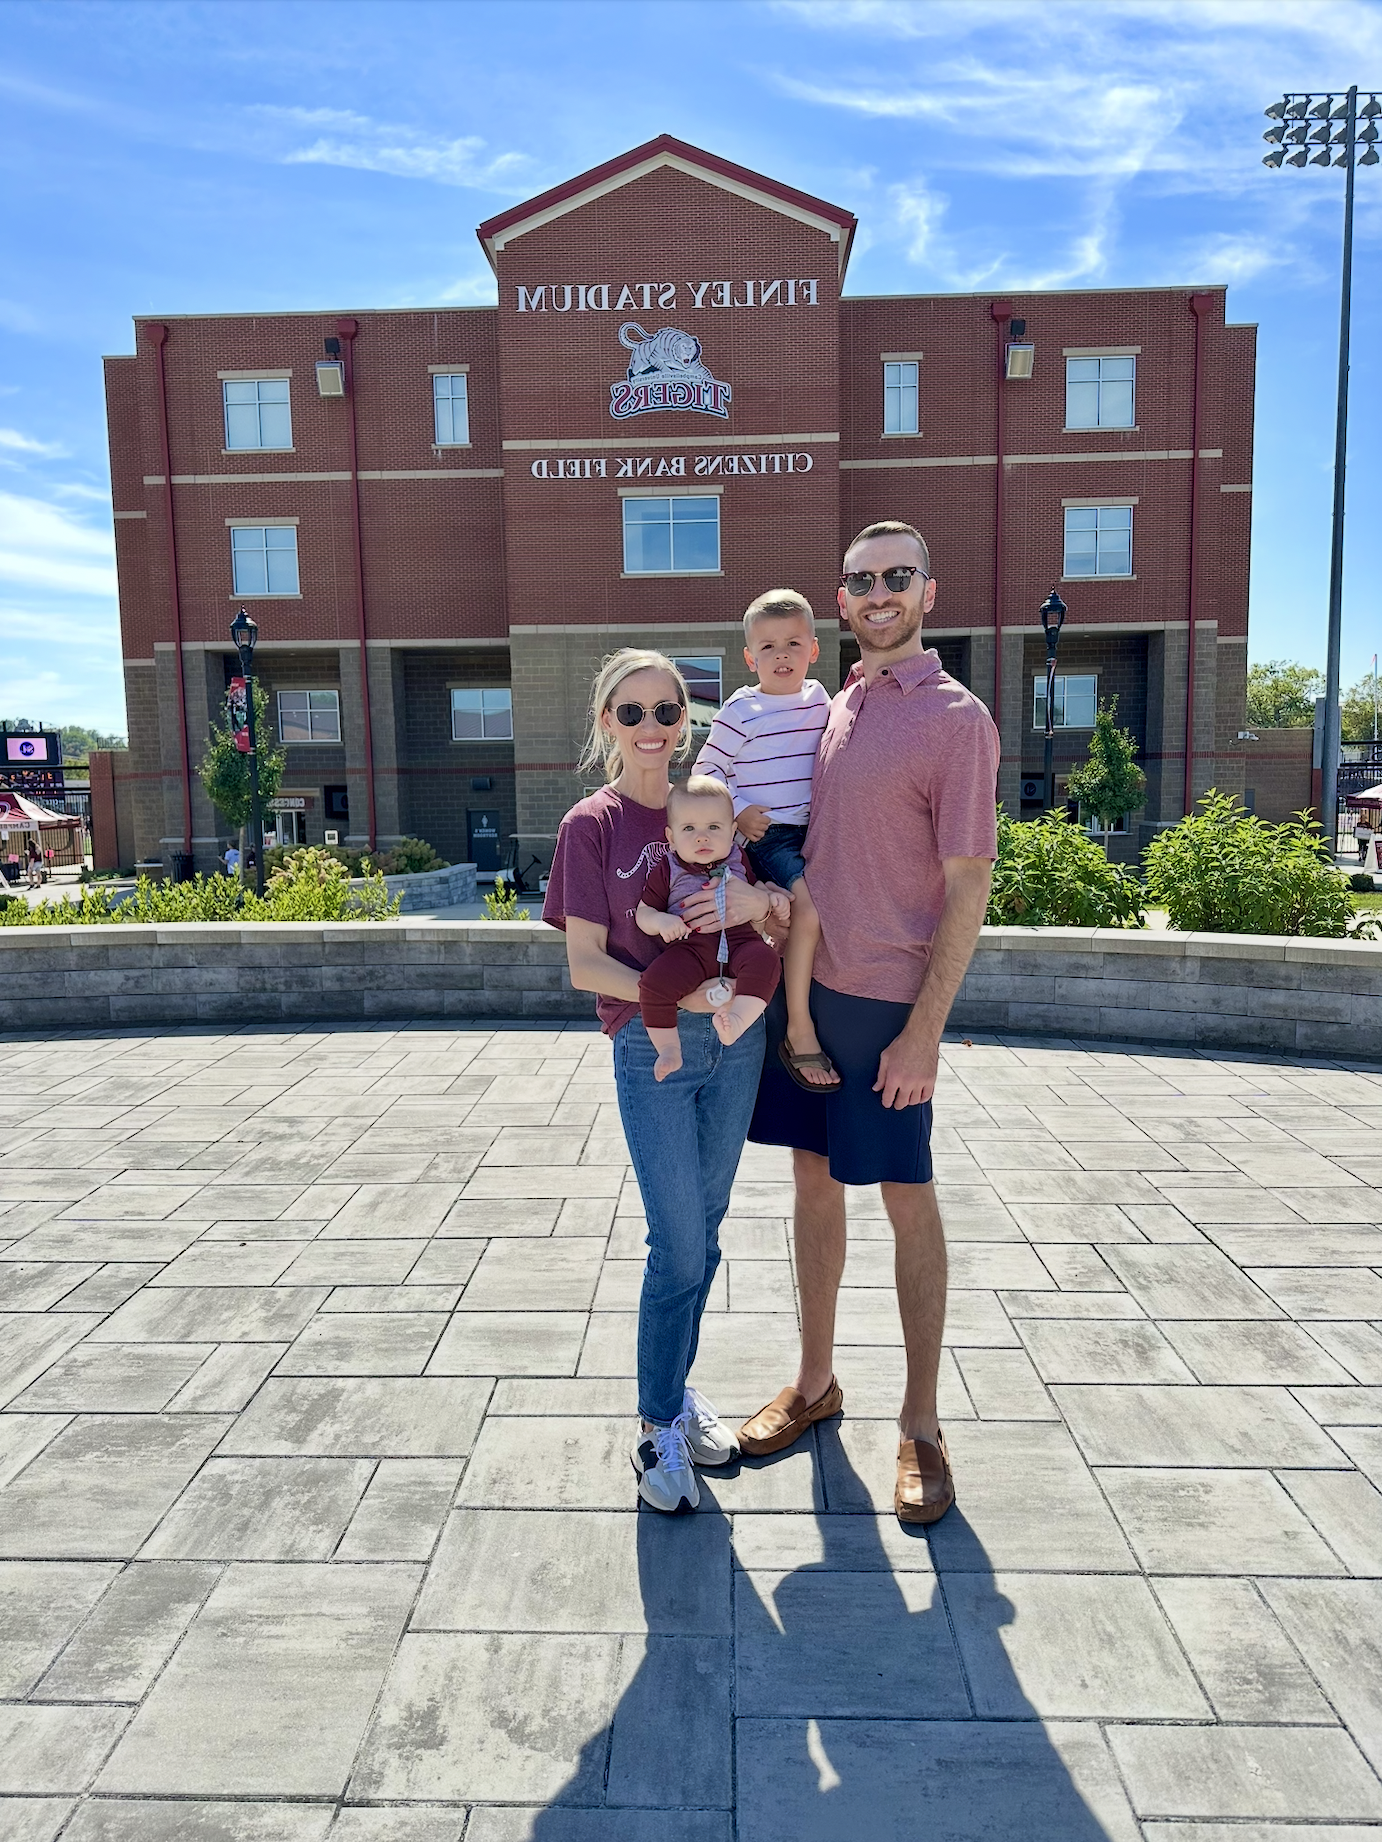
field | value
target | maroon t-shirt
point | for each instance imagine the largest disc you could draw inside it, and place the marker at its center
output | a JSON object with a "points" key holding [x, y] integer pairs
{"points": [[606, 846]]}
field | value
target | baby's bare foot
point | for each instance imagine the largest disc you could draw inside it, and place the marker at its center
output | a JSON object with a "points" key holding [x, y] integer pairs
{"points": [[731, 1022]]}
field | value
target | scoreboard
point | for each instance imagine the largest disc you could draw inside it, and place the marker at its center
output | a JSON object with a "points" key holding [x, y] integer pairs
{"points": [[31, 760]]}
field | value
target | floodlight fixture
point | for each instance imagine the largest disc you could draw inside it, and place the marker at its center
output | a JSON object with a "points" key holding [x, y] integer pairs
{"points": [[1326, 132], [1018, 359]]}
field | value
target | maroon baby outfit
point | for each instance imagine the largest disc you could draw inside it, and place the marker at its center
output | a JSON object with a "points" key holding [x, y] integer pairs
{"points": [[684, 964]]}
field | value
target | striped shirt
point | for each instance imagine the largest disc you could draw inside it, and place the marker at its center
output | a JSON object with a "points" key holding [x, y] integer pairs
{"points": [[764, 749]]}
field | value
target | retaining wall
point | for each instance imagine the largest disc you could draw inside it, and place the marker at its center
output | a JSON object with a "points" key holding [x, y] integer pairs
{"points": [[1300, 997]]}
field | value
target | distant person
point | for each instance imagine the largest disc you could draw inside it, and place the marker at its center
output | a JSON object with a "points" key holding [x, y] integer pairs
{"points": [[232, 861], [35, 866], [1362, 837]]}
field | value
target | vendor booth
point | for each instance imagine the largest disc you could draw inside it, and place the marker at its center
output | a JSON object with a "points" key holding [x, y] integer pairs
{"points": [[21, 819]]}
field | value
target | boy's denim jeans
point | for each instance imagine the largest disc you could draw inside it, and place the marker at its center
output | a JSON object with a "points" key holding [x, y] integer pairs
{"points": [[685, 1137]]}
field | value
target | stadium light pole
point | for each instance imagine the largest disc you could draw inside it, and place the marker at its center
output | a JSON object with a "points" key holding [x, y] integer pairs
{"points": [[1314, 128]]}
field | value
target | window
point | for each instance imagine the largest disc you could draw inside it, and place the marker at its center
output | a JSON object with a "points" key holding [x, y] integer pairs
{"points": [[671, 537], [257, 413], [264, 559], [309, 716], [1098, 540], [900, 399], [450, 409], [482, 716], [1076, 700], [1099, 393], [703, 686]]}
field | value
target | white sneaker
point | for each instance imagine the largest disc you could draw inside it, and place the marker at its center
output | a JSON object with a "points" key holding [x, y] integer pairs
{"points": [[662, 1460], [710, 1440]]}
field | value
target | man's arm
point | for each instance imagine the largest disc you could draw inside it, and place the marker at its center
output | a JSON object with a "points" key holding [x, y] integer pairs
{"points": [[907, 1067]]}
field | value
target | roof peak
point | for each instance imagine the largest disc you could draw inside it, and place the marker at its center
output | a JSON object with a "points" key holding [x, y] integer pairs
{"points": [[666, 150]]}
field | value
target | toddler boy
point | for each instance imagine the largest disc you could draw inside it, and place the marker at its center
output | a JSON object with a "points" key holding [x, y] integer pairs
{"points": [[763, 744], [701, 849]]}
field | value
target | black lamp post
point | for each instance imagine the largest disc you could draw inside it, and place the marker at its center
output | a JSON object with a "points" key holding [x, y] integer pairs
{"points": [[1322, 130], [244, 634], [1053, 613]]}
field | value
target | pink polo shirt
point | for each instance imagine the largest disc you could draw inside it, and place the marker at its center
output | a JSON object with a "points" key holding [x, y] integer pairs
{"points": [[905, 777]]}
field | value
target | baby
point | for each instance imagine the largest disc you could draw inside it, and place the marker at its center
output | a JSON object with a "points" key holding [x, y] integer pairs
{"points": [[701, 849], [763, 744]]}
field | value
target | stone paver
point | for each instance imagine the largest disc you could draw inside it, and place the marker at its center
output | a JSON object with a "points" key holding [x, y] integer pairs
{"points": [[317, 1524]]}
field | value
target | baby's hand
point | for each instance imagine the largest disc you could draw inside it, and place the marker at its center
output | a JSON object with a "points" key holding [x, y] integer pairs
{"points": [[673, 928], [753, 822], [779, 904]]}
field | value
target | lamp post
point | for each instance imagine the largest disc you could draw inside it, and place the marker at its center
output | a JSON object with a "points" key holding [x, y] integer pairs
{"points": [[244, 634], [1322, 130], [1053, 612]]}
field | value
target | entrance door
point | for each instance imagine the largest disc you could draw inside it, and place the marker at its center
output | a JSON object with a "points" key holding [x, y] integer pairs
{"points": [[482, 834], [290, 828]]}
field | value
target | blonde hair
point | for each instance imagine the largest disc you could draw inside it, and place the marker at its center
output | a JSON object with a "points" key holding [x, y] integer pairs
{"points": [[777, 602], [700, 786], [601, 748]]}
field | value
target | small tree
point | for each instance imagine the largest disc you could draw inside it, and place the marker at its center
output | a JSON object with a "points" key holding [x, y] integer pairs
{"points": [[225, 772], [1360, 711], [1282, 695], [1110, 785]]}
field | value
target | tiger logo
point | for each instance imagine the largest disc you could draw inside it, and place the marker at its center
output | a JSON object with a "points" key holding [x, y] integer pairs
{"points": [[665, 372], [669, 352]]}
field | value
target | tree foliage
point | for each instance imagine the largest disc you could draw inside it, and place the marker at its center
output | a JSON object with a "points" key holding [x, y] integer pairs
{"points": [[1282, 695], [1051, 874], [1223, 871], [1358, 711], [1110, 785], [225, 772]]}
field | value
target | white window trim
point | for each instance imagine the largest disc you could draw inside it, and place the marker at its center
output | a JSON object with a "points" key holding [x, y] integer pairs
{"points": [[268, 595], [671, 492], [653, 575], [1110, 504], [1039, 685], [336, 741], [895, 358], [1131, 578], [445, 447], [480, 741]]}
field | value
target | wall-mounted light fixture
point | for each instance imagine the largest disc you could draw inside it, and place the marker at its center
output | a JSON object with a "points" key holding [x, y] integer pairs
{"points": [[1019, 356], [331, 371]]}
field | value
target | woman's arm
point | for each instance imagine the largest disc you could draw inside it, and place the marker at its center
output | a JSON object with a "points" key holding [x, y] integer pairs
{"points": [[592, 969]]}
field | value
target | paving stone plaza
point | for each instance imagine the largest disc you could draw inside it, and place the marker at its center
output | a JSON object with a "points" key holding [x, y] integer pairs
{"points": [[317, 1518]]}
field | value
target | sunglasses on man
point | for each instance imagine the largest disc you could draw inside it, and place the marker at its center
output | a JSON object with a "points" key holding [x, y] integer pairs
{"points": [[668, 713], [859, 582]]}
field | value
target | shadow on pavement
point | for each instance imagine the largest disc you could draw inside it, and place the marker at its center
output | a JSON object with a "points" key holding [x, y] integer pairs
{"points": [[852, 1716]]}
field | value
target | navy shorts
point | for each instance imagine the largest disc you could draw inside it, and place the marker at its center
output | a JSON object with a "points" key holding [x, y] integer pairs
{"points": [[777, 858], [865, 1141]]}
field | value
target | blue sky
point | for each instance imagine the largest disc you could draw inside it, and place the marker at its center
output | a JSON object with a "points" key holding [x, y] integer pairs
{"points": [[191, 158]]}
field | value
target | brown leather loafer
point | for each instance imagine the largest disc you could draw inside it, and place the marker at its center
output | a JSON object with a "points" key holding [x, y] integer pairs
{"points": [[785, 1419], [925, 1487]]}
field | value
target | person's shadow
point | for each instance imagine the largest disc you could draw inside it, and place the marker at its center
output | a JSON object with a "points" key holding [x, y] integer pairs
{"points": [[854, 1714]]}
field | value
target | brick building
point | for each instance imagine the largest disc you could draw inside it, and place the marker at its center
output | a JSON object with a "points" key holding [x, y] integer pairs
{"points": [[442, 520]]}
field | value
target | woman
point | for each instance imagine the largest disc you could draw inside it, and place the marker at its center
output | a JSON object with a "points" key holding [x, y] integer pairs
{"points": [[35, 866], [685, 1133]]}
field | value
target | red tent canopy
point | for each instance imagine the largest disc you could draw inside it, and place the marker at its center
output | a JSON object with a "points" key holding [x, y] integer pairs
{"points": [[20, 814]]}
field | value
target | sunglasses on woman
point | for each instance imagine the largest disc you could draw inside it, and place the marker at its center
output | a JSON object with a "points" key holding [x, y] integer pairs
{"points": [[859, 582], [668, 713]]}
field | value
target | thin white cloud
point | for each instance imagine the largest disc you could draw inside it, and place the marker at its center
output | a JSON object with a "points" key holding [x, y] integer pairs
{"points": [[14, 441], [44, 546], [366, 145], [477, 290]]}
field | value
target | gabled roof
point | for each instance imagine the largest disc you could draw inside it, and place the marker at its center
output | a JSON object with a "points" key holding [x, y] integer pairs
{"points": [[838, 224]]}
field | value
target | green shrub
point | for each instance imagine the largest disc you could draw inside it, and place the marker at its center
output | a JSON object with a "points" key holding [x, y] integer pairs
{"points": [[1051, 874], [1222, 871], [409, 857], [309, 886], [502, 903], [1361, 882]]}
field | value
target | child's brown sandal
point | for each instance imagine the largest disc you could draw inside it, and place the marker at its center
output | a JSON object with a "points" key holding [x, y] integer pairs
{"points": [[795, 1063]]}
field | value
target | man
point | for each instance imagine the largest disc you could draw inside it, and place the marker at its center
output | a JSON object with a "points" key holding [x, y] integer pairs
{"points": [[899, 854]]}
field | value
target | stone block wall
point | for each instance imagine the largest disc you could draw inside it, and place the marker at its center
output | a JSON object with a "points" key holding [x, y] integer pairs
{"points": [[1193, 991]]}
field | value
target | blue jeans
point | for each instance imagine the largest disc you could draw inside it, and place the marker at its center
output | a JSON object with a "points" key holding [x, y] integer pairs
{"points": [[685, 1135]]}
